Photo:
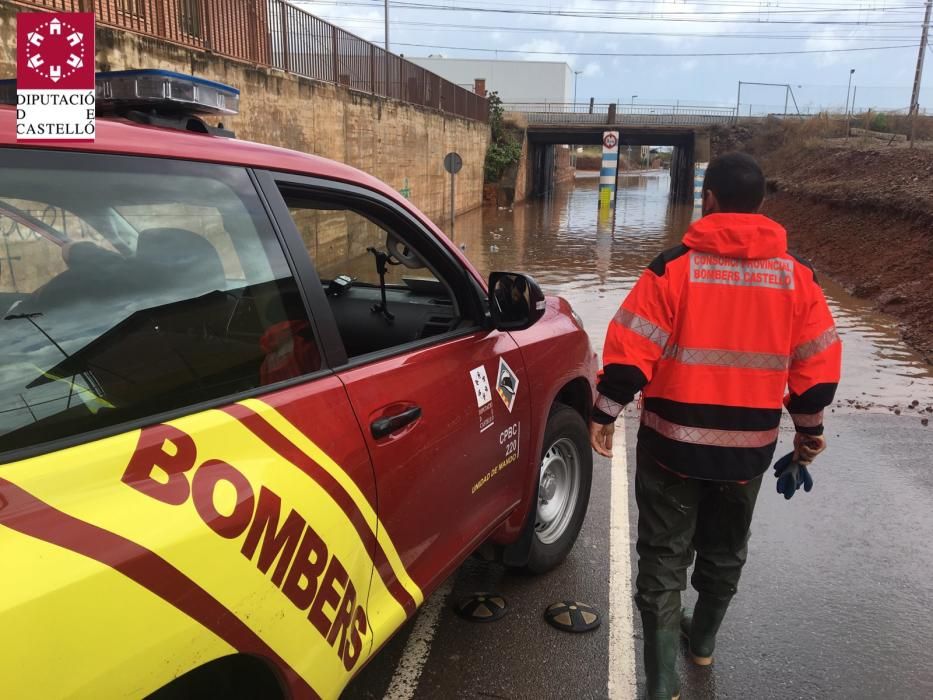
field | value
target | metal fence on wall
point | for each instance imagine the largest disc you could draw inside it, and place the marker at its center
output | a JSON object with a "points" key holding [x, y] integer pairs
{"points": [[277, 34]]}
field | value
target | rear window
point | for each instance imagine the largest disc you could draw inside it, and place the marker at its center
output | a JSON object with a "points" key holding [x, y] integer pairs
{"points": [[131, 287]]}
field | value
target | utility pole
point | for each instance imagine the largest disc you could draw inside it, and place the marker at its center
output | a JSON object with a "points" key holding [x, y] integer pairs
{"points": [[848, 90], [738, 101], [915, 97], [387, 27]]}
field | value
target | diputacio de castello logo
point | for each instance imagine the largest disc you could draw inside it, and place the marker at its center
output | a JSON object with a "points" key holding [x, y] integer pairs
{"points": [[55, 76]]}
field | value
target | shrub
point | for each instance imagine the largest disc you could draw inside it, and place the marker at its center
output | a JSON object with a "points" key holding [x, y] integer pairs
{"points": [[879, 122], [504, 149]]}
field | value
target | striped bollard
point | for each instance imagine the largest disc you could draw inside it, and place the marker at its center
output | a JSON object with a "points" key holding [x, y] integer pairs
{"points": [[699, 172], [609, 170]]}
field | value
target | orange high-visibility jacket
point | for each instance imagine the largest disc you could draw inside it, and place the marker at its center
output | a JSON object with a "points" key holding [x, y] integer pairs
{"points": [[714, 333]]}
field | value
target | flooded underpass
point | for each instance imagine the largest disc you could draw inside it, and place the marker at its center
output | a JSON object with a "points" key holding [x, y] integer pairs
{"points": [[835, 599], [593, 262]]}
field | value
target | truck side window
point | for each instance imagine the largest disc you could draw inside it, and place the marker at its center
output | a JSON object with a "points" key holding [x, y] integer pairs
{"points": [[166, 289], [383, 293]]}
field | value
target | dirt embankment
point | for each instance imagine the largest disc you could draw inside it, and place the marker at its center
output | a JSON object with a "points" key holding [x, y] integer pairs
{"points": [[862, 213]]}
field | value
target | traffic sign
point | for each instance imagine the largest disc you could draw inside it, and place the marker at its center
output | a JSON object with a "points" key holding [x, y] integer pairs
{"points": [[453, 162]]}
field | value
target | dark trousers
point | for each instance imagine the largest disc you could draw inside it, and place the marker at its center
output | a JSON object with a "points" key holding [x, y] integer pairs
{"points": [[679, 517]]}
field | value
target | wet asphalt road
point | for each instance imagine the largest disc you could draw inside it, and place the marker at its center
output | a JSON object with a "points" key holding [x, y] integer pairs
{"points": [[834, 601], [836, 598]]}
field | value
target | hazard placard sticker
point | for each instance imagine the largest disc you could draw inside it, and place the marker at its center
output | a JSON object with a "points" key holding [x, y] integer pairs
{"points": [[483, 397], [506, 384]]}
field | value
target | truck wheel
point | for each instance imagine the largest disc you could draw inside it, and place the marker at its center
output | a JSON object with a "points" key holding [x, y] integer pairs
{"points": [[564, 478]]}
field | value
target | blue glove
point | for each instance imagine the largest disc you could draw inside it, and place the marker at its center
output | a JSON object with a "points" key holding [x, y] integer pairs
{"points": [[791, 476]]}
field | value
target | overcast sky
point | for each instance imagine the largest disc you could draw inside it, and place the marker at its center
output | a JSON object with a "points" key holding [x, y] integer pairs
{"points": [[544, 30]]}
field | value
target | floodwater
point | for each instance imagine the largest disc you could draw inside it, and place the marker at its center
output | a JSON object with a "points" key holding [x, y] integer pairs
{"points": [[593, 261]]}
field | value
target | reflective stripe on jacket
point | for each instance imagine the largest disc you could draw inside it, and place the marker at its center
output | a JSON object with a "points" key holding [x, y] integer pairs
{"points": [[714, 333]]}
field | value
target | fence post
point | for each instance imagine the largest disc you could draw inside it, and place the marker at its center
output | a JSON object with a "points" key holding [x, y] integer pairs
{"points": [[206, 19], [252, 38], [372, 68], [161, 29], [283, 17], [336, 42], [611, 119]]}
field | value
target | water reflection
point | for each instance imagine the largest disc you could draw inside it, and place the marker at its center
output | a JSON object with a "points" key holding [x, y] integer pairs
{"points": [[593, 261]]}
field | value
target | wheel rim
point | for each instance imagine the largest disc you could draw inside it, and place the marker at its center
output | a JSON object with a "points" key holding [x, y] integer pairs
{"points": [[558, 487]]}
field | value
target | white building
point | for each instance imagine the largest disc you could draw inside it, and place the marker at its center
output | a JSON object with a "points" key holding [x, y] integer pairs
{"points": [[515, 81]]}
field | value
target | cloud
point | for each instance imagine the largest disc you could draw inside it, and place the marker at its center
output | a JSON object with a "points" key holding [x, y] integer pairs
{"points": [[543, 50], [678, 77]]}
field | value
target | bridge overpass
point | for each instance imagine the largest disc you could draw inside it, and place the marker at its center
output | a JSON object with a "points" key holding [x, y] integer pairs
{"points": [[685, 127], [615, 114]]}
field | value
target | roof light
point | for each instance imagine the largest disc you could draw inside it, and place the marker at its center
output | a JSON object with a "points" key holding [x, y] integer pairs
{"points": [[170, 91], [162, 90]]}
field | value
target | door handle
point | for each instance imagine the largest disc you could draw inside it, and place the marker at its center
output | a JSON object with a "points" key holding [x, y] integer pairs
{"points": [[386, 426]]}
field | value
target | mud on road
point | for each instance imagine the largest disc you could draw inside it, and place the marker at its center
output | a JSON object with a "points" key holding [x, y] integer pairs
{"points": [[861, 211], [875, 256]]}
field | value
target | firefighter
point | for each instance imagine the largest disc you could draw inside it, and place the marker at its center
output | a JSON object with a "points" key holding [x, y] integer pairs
{"points": [[713, 334]]}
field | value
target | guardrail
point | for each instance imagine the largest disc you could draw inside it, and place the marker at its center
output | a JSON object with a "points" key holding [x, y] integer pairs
{"points": [[276, 34], [542, 113]]}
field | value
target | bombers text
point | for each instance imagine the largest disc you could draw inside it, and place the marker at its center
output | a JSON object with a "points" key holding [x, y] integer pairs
{"points": [[314, 581]]}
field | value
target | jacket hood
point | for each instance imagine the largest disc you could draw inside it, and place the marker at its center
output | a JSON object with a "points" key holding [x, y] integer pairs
{"points": [[737, 236]]}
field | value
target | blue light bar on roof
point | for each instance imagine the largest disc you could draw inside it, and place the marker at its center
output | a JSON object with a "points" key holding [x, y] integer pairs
{"points": [[164, 89]]}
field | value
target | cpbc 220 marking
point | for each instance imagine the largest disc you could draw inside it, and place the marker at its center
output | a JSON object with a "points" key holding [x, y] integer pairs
{"points": [[510, 439]]}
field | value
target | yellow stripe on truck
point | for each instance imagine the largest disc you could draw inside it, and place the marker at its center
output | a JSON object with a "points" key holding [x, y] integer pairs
{"points": [[301, 441], [87, 482], [73, 627]]}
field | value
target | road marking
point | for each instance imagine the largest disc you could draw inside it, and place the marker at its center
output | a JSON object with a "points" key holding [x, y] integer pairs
{"points": [[622, 683], [418, 647]]}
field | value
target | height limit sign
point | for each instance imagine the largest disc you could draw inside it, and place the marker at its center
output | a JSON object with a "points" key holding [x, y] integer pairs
{"points": [[55, 76]]}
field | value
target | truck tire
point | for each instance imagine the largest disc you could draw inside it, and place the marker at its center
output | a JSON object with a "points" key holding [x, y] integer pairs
{"points": [[564, 478]]}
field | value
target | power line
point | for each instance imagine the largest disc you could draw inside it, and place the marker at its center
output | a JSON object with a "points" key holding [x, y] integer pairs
{"points": [[747, 7], [658, 55], [651, 14], [441, 26], [635, 18]]}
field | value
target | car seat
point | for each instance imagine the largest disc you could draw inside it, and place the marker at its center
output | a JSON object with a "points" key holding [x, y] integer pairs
{"points": [[183, 259], [186, 278]]}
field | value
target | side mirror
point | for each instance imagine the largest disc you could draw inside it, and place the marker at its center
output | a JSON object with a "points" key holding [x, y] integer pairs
{"points": [[516, 302]]}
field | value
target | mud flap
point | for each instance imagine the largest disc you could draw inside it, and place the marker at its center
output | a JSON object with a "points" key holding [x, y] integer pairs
{"points": [[516, 554]]}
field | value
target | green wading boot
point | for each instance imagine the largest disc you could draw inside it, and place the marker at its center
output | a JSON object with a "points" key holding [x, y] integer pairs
{"points": [[699, 627], [660, 662]]}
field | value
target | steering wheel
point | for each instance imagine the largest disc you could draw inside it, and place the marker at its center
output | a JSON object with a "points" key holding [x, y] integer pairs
{"points": [[401, 252]]}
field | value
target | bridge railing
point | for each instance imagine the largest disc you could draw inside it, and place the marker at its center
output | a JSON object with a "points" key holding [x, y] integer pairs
{"points": [[620, 114]]}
